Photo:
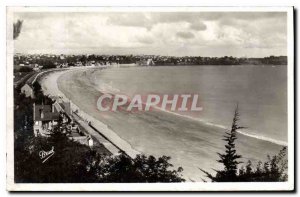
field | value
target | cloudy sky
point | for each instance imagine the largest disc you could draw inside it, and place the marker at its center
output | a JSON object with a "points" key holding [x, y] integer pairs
{"points": [[251, 34]]}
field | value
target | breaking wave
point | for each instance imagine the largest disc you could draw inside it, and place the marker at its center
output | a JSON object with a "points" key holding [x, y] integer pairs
{"points": [[259, 137]]}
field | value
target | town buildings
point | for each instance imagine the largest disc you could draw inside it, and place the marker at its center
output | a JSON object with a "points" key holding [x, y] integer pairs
{"points": [[45, 117]]}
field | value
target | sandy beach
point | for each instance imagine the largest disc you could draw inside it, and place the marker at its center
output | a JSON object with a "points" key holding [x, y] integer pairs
{"points": [[191, 144], [49, 86]]}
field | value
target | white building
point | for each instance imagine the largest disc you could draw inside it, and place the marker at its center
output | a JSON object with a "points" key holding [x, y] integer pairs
{"points": [[27, 90]]}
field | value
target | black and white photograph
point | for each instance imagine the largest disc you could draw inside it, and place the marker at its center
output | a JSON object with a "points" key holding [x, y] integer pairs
{"points": [[150, 98]]}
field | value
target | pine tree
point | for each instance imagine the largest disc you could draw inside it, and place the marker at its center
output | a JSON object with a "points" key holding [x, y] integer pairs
{"points": [[273, 170], [230, 158]]}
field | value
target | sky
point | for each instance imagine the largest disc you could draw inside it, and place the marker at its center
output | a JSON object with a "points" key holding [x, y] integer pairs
{"points": [[210, 34]]}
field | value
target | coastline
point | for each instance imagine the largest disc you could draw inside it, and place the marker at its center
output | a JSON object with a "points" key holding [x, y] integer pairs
{"points": [[51, 77], [247, 132], [258, 137], [190, 158]]}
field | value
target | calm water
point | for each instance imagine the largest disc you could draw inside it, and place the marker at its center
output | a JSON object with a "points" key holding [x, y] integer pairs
{"points": [[260, 91]]}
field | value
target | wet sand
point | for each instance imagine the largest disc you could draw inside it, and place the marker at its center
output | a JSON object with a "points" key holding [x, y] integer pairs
{"points": [[191, 144]]}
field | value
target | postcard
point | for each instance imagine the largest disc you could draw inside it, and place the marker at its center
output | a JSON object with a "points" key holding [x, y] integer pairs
{"points": [[150, 99]]}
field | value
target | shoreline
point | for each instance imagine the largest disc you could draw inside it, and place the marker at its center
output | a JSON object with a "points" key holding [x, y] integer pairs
{"points": [[258, 137], [246, 132], [57, 92], [190, 165], [114, 140]]}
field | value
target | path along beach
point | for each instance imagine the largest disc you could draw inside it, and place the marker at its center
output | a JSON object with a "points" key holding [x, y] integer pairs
{"points": [[191, 144], [50, 87]]}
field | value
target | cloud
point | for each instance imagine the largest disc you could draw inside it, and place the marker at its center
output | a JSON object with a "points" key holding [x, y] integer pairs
{"points": [[161, 33], [185, 35], [149, 20], [198, 26], [145, 39], [129, 19]]}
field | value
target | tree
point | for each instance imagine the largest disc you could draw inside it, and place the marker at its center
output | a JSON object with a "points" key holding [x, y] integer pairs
{"points": [[40, 98], [73, 162], [230, 158], [60, 168], [47, 64], [25, 69], [17, 29], [76, 163], [123, 169], [273, 170]]}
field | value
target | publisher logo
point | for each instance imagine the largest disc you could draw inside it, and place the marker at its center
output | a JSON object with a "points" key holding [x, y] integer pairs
{"points": [[45, 155]]}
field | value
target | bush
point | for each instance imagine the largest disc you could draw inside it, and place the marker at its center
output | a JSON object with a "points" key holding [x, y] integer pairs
{"points": [[25, 69], [123, 169], [60, 168], [76, 163], [273, 170]]}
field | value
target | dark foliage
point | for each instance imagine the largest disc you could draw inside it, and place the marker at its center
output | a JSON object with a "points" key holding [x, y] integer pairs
{"points": [[76, 163], [273, 170], [52, 61], [39, 95], [59, 168], [123, 169], [17, 29], [230, 158], [25, 69], [23, 113], [71, 161], [46, 63]]}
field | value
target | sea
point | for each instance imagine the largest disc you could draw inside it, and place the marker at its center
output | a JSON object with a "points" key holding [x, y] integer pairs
{"points": [[191, 139]]}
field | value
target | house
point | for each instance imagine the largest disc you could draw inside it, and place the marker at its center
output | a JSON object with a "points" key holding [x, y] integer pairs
{"points": [[44, 118], [146, 62], [65, 110], [150, 62], [27, 89], [63, 65], [37, 67], [78, 64]]}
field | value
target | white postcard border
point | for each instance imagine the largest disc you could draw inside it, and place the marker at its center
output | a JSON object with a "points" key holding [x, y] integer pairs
{"points": [[199, 186]]}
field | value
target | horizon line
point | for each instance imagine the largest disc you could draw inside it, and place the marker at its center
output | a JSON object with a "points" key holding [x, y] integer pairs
{"points": [[75, 54]]}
